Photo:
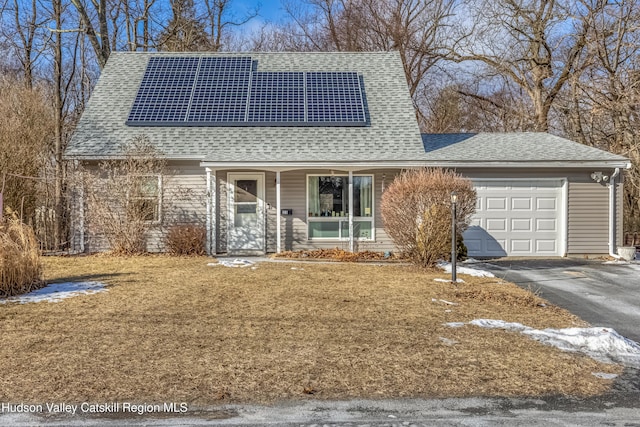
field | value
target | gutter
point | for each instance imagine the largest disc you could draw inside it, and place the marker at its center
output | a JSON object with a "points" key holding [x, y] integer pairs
{"points": [[612, 214]]}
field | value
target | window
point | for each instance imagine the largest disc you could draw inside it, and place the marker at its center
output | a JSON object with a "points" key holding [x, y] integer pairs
{"points": [[144, 198], [328, 207]]}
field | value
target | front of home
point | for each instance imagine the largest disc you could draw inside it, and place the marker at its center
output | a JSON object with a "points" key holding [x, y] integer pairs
{"points": [[289, 151]]}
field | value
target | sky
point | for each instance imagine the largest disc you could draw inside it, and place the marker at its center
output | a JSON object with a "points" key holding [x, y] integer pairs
{"points": [[270, 10]]}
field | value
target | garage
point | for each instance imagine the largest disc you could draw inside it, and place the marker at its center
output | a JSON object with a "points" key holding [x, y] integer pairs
{"points": [[518, 218]]}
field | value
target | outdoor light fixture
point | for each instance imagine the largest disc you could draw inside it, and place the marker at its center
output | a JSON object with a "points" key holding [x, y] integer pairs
{"points": [[454, 249], [599, 177]]}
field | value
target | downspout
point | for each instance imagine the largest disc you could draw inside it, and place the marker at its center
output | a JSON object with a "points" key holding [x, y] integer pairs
{"points": [[612, 214]]}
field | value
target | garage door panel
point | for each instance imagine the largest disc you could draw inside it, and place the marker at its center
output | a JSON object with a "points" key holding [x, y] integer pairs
{"points": [[496, 224], [496, 203], [496, 246], [522, 246], [543, 224], [473, 245], [546, 204], [520, 224], [546, 246], [516, 218], [521, 204]]}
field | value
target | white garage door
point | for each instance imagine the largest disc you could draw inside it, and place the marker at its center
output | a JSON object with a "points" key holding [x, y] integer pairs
{"points": [[517, 218]]}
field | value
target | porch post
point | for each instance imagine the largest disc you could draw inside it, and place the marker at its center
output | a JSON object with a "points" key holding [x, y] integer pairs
{"points": [[278, 218], [214, 216], [208, 203], [351, 240]]}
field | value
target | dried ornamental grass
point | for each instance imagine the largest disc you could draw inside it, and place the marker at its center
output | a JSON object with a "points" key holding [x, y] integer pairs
{"points": [[20, 264]]}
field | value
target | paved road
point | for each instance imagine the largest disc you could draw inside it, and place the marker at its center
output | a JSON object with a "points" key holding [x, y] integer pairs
{"points": [[602, 294], [602, 411]]}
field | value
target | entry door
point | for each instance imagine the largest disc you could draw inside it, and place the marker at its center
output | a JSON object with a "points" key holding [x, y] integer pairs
{"points": [[246, 226]]}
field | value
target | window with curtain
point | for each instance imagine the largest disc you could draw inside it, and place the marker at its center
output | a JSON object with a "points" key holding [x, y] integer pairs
{"points": [[328, 206]]}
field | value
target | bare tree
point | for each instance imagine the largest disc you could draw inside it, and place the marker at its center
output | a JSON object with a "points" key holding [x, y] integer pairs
{"points": [[537, 45], [96, 30], [24, 32], [599, 108]]}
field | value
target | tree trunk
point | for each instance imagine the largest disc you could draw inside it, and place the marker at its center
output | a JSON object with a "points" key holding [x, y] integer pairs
{"points": [[58, 136]]}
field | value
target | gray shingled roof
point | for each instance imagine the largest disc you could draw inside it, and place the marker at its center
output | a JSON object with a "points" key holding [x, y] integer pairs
{"points": [[392, 137], [511, 147], [393, 133]]}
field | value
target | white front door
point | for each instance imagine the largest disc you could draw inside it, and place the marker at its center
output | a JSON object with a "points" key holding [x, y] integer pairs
{"points": [[246, 226]]}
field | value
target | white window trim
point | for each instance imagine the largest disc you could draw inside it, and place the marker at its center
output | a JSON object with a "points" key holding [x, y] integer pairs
{"points": [[159, 177], [341, 218]]}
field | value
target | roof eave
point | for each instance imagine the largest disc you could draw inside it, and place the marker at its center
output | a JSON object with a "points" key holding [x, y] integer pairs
{"points": [[382, 164]]}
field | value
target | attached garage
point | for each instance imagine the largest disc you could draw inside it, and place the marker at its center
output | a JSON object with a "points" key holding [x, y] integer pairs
{"points": [[523, 217]]}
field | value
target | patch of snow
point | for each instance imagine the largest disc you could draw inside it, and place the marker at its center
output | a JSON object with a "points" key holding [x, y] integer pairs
{"points": [[499, 324], [438, 279], [617, 262], [603, 344], [455, 324], [448, 341], [56, 292], [604, 375], [444, 301], [446, 266], [238, 262], [471, 261]]}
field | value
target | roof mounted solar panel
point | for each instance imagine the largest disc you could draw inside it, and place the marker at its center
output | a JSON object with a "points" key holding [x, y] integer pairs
{"points": [[334, 97], [229, 91], [276, 97], [163, 96], [220, 90]]}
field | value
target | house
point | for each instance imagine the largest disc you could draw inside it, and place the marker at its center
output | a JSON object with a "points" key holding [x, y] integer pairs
{"points": [[289, 151]]}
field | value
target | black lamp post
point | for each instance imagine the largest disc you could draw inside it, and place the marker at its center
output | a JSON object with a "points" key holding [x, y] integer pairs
{"points": [[454, 248]]}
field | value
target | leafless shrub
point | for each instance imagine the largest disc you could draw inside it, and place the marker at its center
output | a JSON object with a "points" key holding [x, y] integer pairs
{"points": [[26, 126], [123, 197], [186, 239], [416, 212], [20, 264]]}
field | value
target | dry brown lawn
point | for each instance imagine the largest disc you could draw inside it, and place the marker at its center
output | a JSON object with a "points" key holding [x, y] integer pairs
{"points": [[174, 329]]}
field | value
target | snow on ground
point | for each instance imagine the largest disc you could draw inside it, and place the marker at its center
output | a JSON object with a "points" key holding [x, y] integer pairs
{"points": [[232, 263], [476, 272], [56, 292], [438, 279], [603, 344]]}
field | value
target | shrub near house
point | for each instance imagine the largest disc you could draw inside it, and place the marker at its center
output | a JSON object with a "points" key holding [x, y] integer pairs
{"points": [[416, 212]]}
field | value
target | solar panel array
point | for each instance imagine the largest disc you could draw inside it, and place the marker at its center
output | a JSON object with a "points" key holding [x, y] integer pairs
{"points": [[227, 91]]}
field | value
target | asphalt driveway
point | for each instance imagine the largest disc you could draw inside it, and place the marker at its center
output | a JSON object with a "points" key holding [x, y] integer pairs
{"points": [[603, 294]]}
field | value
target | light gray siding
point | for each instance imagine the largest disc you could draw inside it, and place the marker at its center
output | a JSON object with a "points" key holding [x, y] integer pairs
{"points": [[183, 201], [588, 217]]}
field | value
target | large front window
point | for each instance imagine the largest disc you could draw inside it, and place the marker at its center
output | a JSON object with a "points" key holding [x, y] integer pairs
{"points": [[328, 207]]}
